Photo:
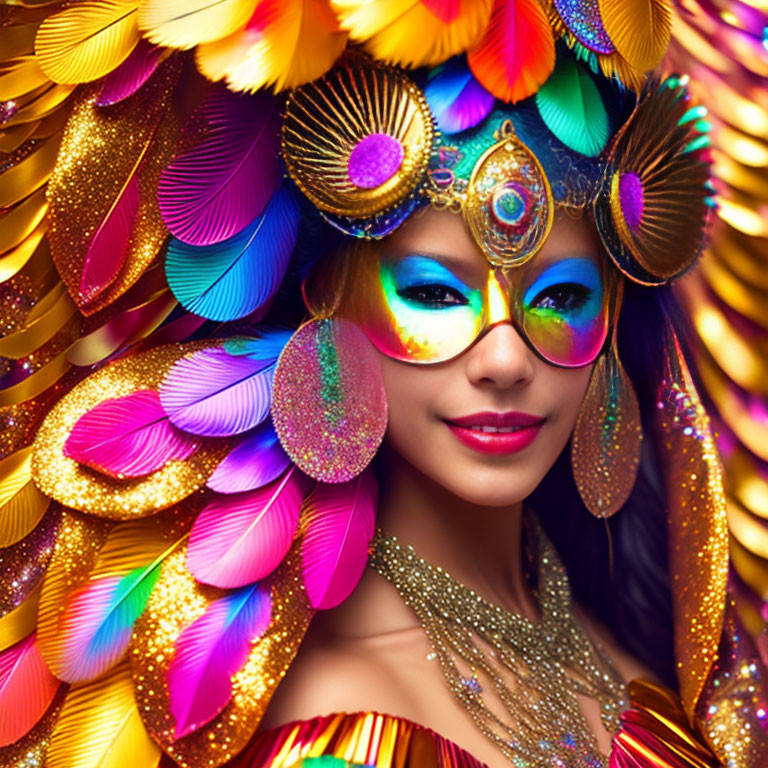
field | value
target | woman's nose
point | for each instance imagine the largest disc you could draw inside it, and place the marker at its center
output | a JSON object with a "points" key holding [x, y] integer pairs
{"points": [[500, 357]]}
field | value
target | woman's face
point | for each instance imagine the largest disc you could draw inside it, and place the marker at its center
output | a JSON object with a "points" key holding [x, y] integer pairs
{"points": [[528, 407]]}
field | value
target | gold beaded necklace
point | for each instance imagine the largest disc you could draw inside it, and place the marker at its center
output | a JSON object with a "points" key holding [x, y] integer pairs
{"points": [[517, 679]]}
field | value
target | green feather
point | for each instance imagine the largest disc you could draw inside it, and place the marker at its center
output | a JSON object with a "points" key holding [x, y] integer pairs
{"points": [[571, 107]]}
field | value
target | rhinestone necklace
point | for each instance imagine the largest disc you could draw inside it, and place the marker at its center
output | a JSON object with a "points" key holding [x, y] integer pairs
{"points": [[517, 679]]}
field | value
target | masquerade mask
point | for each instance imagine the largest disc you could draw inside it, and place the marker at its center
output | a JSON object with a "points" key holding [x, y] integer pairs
{"points": [[424, 309]]}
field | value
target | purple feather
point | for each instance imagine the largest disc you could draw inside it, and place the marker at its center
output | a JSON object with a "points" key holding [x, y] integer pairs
{"points": [[456, 99], [131, 74], [256, 461], [127, 437], [210, 651], [240, 539], [214, 190], [216, 394], [340, 524]]}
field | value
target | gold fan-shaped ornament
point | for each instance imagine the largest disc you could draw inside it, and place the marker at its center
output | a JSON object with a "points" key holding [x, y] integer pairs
{"points": [[357, 141]]}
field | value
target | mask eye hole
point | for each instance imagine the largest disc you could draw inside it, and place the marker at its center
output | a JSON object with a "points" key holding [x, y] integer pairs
{"points": [[562, 297], [433, 295]]}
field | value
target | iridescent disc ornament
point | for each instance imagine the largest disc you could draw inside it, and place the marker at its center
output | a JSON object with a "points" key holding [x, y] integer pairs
{"points": [[653, 205], [329, 406], [357, 141], [509, 205]]}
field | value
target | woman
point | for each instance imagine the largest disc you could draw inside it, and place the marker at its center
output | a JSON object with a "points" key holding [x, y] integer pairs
{"points": [[502, 318]]}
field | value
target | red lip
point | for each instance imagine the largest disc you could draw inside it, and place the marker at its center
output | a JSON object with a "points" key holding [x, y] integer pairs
{"points": [[528, 427]]}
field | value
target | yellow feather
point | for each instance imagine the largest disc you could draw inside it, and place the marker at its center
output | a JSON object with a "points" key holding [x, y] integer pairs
{"points": [[640, 29], [21, 504], [299, 45], [20, 622], [88, 40], [100, 727], [187, 23], [14, 261], [22, 220], [21, 77], [23, 178], [407, 33], [40, 103], [17, 40]]}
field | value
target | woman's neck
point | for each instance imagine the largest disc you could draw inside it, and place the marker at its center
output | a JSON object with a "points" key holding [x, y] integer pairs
{"points": [[481, 547]]}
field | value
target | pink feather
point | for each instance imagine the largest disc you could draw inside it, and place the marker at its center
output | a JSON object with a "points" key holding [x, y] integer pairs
{"points": [[131, 74], [109, 246], [210, 651], [127, 437], [216, 394], [27, 688], [214, 190], [340, 526], [242, 538]]}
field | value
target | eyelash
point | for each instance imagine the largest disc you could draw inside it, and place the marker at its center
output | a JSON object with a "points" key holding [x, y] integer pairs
{"points": [[433, 295], [579, 294]]}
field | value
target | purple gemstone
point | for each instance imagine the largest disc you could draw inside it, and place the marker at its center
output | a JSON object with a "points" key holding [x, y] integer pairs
{"points": [[631, 198], [374, 160]]}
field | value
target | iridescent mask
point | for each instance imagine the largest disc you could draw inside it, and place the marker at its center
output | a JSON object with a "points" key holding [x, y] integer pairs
{"points": [[420, 308]]}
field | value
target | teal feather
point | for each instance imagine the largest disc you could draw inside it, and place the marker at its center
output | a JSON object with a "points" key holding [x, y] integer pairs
{"points": [[571, 107]]}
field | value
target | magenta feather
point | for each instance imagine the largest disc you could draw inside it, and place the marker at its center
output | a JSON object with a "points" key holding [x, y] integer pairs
{"points": [[240, 539], [27, 688], [210, 651], [340, 525], [256, 461], [456, 99], [109, 246], [127, 437], [216, 394], [131, 74], [214, 190]]}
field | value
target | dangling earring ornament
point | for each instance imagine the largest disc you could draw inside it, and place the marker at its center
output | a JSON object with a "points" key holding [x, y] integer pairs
{"points": [[329, 405], [605, 447]]}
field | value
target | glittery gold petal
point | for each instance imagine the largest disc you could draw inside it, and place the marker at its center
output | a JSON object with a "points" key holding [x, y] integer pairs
{"points": [[21, 504], [76, 486], [175, 603], [101, 151], [99, 726], [87, 40], [697, 525], [21, 621]]}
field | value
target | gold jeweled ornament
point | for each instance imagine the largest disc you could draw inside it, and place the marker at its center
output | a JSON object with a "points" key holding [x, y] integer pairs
{"points": [[537, 721], [508, 205], [357, 140]]}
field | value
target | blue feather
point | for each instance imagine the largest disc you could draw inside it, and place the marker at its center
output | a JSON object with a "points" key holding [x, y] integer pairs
{"points": [[233, 278], [267, 346]]}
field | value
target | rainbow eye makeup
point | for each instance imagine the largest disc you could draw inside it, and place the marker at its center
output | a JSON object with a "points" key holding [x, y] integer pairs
{"points": [[418, 310]]}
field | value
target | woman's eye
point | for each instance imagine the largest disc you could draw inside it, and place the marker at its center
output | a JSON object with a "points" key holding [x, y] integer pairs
{"points": [[562, 297], [434, 295]]}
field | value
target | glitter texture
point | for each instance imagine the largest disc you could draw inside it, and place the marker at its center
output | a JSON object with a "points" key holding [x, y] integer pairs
{"points": [[605, 446], [733, 712], [77, 486], [175, 603], [101, 150], [582, 17], [374, 160], [697, 524], [329, 406]]}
